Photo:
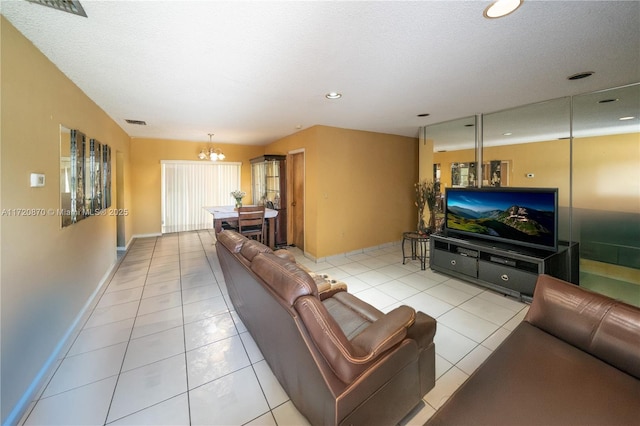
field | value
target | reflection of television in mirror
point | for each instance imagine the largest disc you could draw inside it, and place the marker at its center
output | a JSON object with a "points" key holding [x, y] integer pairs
{"points": [[526, 217]]}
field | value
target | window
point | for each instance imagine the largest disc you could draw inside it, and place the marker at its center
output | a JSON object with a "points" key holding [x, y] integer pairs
{"points": [[188, 186]]}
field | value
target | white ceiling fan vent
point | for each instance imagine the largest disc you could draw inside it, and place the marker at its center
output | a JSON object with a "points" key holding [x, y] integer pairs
{"points": [[70, 6]]}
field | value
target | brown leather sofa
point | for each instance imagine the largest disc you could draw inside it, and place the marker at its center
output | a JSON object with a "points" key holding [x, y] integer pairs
{"points": [[340, 360], [574, 360]]}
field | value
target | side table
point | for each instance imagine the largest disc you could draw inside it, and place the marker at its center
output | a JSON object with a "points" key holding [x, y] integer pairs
{"points": [[419, 248]]}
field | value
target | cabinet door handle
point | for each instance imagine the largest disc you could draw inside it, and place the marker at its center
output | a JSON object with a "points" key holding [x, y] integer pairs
{"points": [[293, 204], [504, 277], [453, 262]]}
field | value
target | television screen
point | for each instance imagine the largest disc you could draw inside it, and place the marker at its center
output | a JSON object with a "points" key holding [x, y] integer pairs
{"points": [[522, 216]]}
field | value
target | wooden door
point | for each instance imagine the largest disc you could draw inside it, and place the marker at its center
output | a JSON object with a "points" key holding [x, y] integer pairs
{"points": [[296, 205]]}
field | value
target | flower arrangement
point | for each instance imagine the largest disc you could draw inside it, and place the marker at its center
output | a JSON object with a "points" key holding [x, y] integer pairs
{"points": [[426, 195], [238, 195]]}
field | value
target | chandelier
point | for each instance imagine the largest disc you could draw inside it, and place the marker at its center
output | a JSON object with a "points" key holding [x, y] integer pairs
{"points": [[212, 154]]}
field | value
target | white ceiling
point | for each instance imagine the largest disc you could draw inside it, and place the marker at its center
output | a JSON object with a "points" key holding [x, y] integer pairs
{"points": [[255, 71]]}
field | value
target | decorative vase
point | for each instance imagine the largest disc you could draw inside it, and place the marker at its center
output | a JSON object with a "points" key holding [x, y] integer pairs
{"points": [[432, 220], [421, 225], [238, 203]]}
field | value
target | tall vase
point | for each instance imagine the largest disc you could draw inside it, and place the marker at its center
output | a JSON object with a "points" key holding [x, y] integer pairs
{"points": [[421, 226], [432, 220], [238, 203]]}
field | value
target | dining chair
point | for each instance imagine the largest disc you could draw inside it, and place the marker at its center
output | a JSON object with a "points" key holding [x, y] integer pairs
{"points": [[251, 222]]}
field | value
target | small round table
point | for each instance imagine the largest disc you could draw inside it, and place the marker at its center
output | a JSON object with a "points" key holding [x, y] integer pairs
{"points": [[419, 248]]}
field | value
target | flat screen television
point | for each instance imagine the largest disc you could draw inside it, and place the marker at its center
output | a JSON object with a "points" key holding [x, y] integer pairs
{"points": [[525, 217]]}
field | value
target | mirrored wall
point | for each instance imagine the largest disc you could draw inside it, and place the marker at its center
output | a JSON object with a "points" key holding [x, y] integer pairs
{"points": [[85, 176], [588, 147]]}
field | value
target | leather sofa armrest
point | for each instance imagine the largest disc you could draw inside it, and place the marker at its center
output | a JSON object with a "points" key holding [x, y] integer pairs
{"points": [[384, 333], [348, 359], [331, 290], [423, 330]]}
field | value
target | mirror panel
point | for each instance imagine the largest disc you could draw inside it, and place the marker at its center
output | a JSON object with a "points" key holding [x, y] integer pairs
{"points": [[530, 146], [454, 155], [606, 190], [78, 170], [106, 176], [85, 176], [65, 176]]}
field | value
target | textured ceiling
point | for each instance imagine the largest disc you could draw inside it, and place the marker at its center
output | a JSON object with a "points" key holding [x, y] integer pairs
{"points": [[255, 71]]}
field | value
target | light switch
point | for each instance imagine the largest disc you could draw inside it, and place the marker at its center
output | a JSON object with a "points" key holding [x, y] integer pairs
{"points": [[37, 180]]}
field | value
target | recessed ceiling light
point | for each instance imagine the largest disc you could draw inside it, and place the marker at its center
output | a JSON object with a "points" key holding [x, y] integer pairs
{"points": [[501, 8], [333, 95], [507, 134], [424, 115], [580, 75], [626, 118], [606, 101]]}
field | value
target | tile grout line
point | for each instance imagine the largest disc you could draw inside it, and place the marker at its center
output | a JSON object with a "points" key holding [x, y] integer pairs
{"points": [[184, 334], [115, 388]]}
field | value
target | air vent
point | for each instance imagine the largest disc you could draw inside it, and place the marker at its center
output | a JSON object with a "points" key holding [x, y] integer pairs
{"points": [[580, 75], [70, 6], [137, 122]]}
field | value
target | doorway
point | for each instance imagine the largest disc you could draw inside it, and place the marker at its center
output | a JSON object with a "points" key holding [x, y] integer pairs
{"points": [[297, 199]]}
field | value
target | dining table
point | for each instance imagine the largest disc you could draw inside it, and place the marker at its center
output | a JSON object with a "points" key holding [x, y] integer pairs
{"points": [[229, 214]]}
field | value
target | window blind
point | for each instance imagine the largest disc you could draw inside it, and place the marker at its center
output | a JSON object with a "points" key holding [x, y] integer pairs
{"points": [[188, 186]]}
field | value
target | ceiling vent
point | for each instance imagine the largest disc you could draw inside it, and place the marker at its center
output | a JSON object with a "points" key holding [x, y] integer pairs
{"points": [[70, 6], [137, 122]]}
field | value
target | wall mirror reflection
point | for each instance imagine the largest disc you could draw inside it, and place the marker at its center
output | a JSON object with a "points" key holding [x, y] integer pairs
{"points": [[65, 176], [85, 176], [606, 190], [530, 147], [454, 151]]}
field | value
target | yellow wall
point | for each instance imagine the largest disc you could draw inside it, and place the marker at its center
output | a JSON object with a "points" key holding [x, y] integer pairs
{"points": [[146, 155], [48, 273], [359, 187], [606, 178], [548, 161], [605, 169]]}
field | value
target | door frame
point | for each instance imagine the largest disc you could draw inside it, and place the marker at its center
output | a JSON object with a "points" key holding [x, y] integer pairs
{"points": [[290, 194]]}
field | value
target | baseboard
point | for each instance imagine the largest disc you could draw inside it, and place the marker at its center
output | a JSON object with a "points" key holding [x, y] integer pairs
{"points": [[47, 370], [125, 248], [159, 234], [351, 253]]}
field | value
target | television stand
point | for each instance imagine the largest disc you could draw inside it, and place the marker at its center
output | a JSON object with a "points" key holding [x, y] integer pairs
{"points": [[510, 270]]}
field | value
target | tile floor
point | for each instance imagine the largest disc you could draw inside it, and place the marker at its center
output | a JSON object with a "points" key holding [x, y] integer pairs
{"points": [[164, 346]]}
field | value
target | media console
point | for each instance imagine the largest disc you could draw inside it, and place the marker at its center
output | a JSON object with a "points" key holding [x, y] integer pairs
{"points": [[509, 270]]}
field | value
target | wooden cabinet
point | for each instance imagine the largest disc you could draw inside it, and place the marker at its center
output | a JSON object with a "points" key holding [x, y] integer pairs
{"points": [[269, 188]]}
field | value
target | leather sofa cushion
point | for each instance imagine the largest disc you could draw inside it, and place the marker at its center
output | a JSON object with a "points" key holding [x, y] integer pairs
{"points": [[251, 248], [232, 240], [606, 328], [285, 278], [534, 378], [352, 314]]}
